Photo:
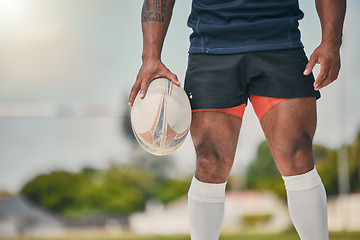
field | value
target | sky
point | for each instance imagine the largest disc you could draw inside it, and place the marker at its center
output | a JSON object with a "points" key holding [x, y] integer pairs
{"points": [[66, 69]]}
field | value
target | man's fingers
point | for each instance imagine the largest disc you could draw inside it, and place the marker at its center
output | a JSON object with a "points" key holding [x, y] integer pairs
{"points": [[310, 65], [322, 77], [133, 93], [174, 79], [331, 76], [146, 75], [137, 88], [322, 84], [131, 99], [144, 86], [334, 71]]}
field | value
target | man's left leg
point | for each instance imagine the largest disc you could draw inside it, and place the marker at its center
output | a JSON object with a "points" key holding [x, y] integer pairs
{"points": [[289, 128]]}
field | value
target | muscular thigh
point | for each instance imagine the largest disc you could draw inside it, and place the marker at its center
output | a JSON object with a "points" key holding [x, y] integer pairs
{"points": [[215, 137], [289, 128]]}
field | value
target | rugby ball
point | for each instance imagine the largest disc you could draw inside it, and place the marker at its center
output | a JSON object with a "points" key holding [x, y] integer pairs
{"points": [[161, 120]]}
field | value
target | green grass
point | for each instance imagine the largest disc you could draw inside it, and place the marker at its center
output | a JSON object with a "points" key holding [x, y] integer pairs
{"points": [[288, 236], [244, 236]]}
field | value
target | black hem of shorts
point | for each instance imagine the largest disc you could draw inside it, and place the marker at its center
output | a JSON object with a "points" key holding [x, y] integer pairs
{"points": [[315, 94], [196, 105]]}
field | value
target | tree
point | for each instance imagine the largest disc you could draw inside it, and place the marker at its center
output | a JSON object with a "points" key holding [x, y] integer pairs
{"points": [[124, 190], [171, 189], [354, 164], [57, 191], [263, 174], [119, 190], [326, 165]]}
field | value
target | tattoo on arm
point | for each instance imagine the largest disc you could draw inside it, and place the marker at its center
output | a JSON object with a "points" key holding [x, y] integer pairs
{"points": [[153, 10]]}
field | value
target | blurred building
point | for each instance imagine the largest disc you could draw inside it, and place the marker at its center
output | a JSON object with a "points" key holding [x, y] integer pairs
{"points": [[18, 217], [344, 212], [251, 210], [244, 211]]}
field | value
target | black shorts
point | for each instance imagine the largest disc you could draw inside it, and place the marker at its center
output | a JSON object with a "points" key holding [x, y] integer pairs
{"points": [[226, 81]]}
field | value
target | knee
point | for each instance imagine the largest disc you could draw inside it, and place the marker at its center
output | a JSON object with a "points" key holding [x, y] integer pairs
{"points": [[296, 156], [212, 165], [300, 148]]}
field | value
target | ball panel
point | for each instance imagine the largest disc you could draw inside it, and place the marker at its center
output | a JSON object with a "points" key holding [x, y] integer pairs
{"points": [[161, 120], [178, 141], [148, 138], [178, 110], [141, 111], [158, 126], [170, 135], [145, 146]]}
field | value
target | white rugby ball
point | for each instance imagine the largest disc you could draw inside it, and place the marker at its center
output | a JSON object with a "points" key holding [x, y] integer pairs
{"points": [[161, 120]]}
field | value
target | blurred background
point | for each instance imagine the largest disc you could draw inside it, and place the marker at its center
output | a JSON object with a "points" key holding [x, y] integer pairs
{"points": [[69, 162]]}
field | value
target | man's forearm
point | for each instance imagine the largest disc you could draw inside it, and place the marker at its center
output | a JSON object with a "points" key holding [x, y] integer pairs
{"points": [[331, 14], [155, 18]]}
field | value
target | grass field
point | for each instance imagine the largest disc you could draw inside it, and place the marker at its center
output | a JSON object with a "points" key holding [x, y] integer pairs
{"points": [[278, 236]]}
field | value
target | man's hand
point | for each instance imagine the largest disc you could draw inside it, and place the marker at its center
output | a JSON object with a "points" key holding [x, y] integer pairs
{"points": [[149, 71], [331, 14], [329, 59]]}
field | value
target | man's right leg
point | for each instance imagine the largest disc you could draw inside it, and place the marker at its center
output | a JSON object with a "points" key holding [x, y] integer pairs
{"points": [[215, 137], [289, 128]]}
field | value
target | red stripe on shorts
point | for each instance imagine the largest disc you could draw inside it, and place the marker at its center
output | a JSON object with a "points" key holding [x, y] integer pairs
{"points": [[263, 104]]}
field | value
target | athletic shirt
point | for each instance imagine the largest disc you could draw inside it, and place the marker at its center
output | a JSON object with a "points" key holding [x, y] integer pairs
{"points": [[237, 26]]}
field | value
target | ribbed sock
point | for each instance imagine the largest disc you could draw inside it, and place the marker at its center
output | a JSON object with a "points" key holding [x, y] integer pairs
{"points": [[307, 205], [206, 204]]}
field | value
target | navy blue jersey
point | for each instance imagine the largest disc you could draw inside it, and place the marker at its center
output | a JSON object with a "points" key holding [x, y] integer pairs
{"points": [[237, 26]]}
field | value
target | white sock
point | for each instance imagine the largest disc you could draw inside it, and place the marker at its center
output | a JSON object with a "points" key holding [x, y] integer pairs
{"points": [[307, 205], [206, 203]]}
